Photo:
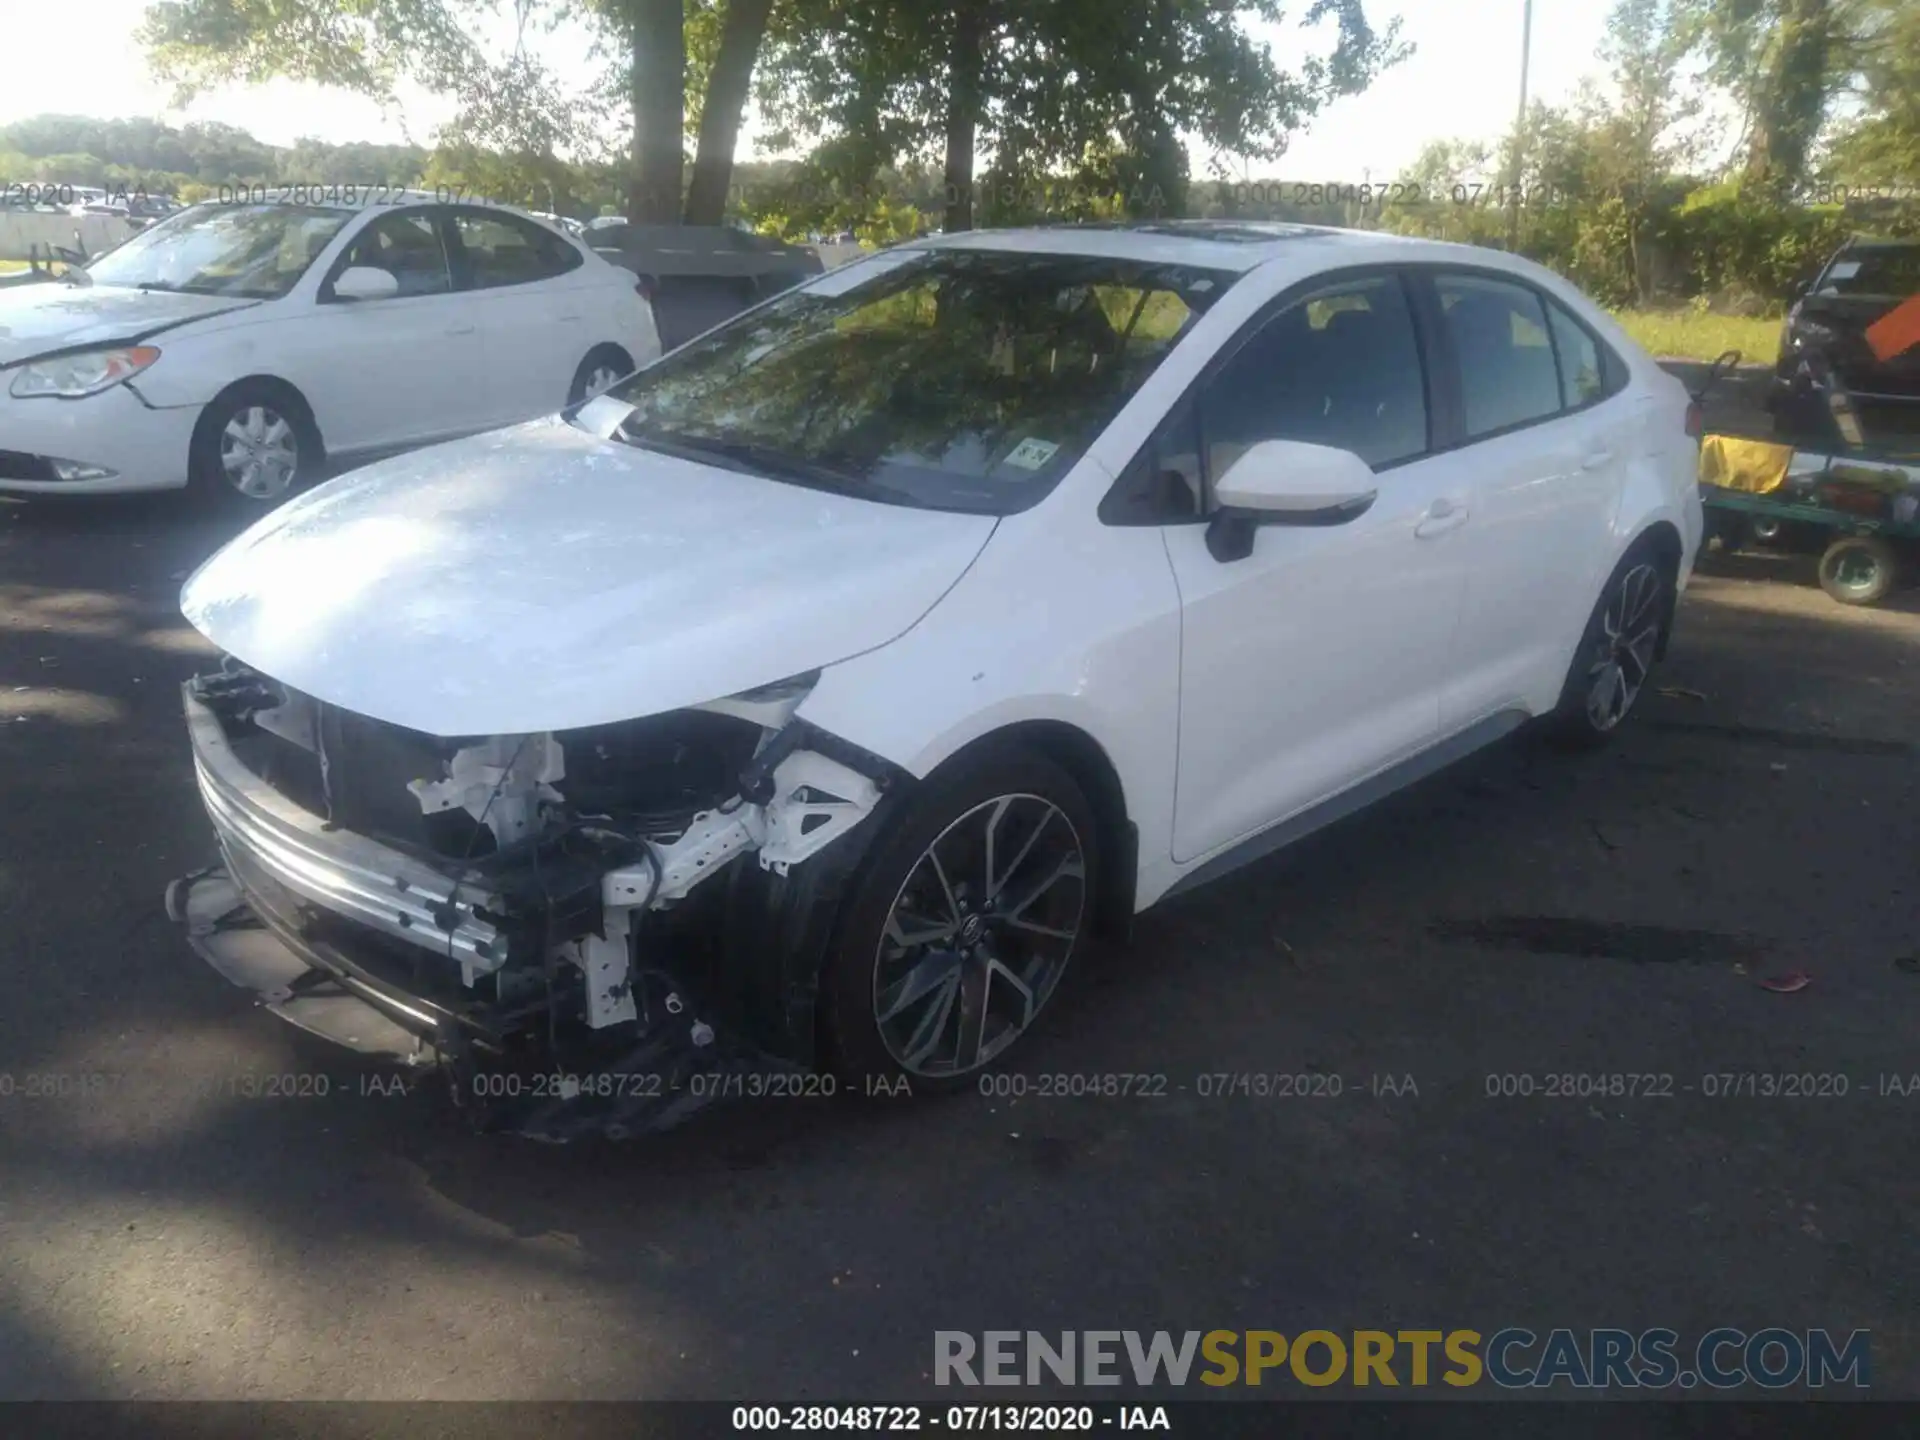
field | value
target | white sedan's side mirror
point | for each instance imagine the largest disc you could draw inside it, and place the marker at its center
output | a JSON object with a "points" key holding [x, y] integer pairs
{"points": [[1287, 482], [365, 282]]}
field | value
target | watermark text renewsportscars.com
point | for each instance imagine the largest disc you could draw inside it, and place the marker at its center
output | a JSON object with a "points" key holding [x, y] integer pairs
{"points": [[1509, 1358]]}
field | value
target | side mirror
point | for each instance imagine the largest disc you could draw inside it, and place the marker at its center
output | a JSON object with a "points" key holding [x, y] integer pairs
{"points": [[365, 282], [1287, 482]]}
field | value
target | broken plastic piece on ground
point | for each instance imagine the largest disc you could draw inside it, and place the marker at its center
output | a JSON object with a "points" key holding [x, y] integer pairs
{"points": [[1680, 692], [1790, 983], [1908, 963]]}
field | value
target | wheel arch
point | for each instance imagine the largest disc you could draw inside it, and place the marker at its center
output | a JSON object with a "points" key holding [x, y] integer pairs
{"points": [[1086, 760], [1662, 538], [612, 348], [286, 389], [781, 928]]}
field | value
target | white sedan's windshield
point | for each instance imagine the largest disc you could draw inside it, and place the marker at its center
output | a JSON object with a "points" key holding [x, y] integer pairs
{"points": [[950, 379], [248, 251]]}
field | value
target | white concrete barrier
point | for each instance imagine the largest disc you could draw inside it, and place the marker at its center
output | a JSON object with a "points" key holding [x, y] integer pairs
{"points": [[20, 231]]}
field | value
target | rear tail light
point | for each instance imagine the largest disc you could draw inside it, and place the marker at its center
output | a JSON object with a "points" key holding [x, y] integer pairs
{"points": [[1696, 420]]}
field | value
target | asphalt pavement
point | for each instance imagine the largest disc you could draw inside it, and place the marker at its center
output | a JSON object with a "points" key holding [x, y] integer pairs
{"points": [[168, 1231]]}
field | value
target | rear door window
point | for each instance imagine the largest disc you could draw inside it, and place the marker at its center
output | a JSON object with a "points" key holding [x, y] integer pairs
{"points": [[500, 249], [1501, 338], [1583, 370]]}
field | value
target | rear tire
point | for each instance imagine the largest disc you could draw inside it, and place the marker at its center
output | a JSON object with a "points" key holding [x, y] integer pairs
{"points": [[950, 944], [1859, 569], [1617, 650]]}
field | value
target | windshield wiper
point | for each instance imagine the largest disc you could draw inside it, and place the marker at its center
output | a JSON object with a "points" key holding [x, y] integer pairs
{"points": [[761, 459]]}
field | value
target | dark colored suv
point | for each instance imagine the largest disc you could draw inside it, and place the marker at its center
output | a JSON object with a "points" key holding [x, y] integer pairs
{"points": [[1826, 330]]}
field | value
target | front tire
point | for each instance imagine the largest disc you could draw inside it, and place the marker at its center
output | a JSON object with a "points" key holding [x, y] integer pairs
{"points": [[1617, 650], [254, 446], [968, 912]]}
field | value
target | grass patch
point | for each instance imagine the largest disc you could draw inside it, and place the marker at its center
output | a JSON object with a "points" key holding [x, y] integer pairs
{"points": [[1690, 335]]}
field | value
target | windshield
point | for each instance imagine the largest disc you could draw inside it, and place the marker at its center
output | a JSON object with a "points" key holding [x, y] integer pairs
{"points": [[1892, 272], [250, 251], [947, 379]]}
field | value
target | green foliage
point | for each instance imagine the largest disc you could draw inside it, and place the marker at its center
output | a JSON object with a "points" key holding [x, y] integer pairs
{"points": [[1063, 110], [1881, 146], [160, 159], [1738, 234], [1693, 332]]}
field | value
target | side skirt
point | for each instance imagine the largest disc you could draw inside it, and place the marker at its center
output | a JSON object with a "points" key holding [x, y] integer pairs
{"points": [[1394, 778]]}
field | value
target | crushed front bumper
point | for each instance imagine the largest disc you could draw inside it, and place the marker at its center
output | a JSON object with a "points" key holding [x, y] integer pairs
{"points": [[359, 943]]}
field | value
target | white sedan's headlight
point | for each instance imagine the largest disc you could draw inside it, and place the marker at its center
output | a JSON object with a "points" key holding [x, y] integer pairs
{"points": [[68, 377]]}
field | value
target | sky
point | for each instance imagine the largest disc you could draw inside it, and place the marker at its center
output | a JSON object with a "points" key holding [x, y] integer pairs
{"points": [[1463, 81]]}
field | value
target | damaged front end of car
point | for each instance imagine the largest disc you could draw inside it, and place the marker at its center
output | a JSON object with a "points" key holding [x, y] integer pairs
{"points": [[566, 923]]}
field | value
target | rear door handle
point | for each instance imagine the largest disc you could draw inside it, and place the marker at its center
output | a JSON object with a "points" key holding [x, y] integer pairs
{"points": [[1595, 460], [461, 329], [1443, 515]]}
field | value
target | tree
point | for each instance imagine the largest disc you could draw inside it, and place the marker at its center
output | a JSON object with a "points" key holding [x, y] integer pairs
{"points": [[722, 102], [1882, 146], [1643, 137], [513, 105], [1046, 91], [1784, 61]]}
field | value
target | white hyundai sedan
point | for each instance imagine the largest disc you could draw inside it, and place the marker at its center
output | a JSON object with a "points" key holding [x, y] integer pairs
{"points": [[788, 717], [235, 347]]}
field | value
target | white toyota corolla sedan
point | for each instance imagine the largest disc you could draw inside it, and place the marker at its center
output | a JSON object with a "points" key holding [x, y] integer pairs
{"points": [[790, 716], [235, 346]]}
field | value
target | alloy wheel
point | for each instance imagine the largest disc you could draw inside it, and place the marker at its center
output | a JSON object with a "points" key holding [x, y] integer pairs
{"points": [[259, 453], [1623, 657], [979, 935], [600, 379]]}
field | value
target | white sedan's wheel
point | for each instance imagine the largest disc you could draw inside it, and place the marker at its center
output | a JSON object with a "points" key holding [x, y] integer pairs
{"points": [[975, 899], [260, 453], [978, 936], [253, 448], [1618, 650], [598, 373]]}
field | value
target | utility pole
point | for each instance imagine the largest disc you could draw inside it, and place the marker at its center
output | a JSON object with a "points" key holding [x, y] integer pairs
{"points": [[1519, 128]]}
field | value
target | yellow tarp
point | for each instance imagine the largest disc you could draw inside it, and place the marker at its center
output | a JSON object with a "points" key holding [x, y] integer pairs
{"points": [[1756, 466]]}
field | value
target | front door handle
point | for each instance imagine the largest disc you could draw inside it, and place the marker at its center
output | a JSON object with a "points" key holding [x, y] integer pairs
{"points": [[461, 329], [1595, 460], [1443, 515]]}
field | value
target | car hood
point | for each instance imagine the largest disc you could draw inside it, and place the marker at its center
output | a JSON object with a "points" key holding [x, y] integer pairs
{"points": [[541, 578], [51, 317]]}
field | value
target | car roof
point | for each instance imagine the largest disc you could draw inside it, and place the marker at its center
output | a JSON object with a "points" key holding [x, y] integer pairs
{"points": [[1231, 245], [364, 197]]}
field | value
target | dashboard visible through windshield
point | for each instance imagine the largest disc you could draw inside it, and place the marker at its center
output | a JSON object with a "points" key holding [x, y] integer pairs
{"points": [[951, 379]]}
